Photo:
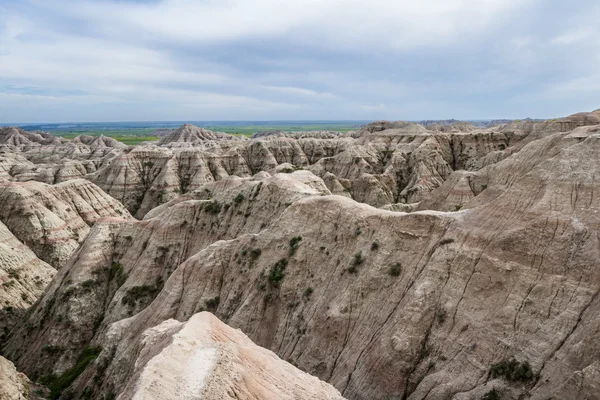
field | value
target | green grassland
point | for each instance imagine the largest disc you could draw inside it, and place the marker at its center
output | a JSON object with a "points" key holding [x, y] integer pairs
{"points": [[135, 136]]}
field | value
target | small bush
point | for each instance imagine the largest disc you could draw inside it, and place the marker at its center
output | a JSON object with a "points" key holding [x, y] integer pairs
{"points": [[374, 246], [294, 243], [396, 269], [457, 207], [308, 292], [357, 260], [491, 395], [357, 231], [212, 304], [214, 207], [255, 253], [277, 273], [512, 370], [239, 198]]}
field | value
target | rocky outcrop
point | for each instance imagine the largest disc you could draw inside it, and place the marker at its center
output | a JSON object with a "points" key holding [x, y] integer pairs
{"points": [[53, 219], [23, 278], [190, 135], [15, 386], [204, 358]]}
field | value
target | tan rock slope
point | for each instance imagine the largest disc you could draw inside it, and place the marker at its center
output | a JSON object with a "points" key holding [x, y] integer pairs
{"points": [[23, 278], [205, 359], [13, 385], [53, 219]]}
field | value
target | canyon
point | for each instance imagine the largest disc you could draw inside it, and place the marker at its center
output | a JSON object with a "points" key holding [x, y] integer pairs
{"points": [[398, 261]]}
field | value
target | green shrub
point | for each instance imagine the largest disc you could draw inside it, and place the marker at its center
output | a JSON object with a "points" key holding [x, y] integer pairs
{"points": [[357, 231], [491, 395], [512, 370], [374, 246], [308, 292], [357, 260], [239, 198], [457, 207], [294, 243], [57, 384], [117, 273], [212, 304], [396, 269], [255, 253], [213, 207], [277, 272], [136, 293]]}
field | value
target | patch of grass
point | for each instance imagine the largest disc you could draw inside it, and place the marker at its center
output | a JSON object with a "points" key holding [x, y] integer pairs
{"points": [[57, 384], [277, 272], [512, 370], [294, 243]]}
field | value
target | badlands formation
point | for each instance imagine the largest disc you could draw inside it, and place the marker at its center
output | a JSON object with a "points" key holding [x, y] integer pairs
{"points": [[395, 262]]}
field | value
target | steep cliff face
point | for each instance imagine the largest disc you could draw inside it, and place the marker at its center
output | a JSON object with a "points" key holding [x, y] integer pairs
{"points": [[53, 219]]}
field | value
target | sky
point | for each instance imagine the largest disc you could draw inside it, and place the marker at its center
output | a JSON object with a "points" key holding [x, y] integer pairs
{"points": [[136, 60]]}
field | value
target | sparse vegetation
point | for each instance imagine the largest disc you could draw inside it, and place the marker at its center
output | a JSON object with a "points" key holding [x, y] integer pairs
{"points": [[357, 260], [57, 384], [491, 395], [512, 370], [117, 273], [255, 253], [213, 207], [294, 243], [136, 293], [357, 231], [239, 198], [277, 272], [308, 292], [396, 269], [213, 303], [374, 246], [457, 207]]}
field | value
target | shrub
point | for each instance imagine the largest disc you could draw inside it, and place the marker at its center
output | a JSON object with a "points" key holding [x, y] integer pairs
{"points": [[512, 370], [255, 253], [239, 198], [136, 293], [356, 261], [357, 231], [374, 246], [212, 304], [276, 273], [491, 395], [116, 272], [308, 292], [457, 207], [213, 207], [57, 384], [396, 269], [294, 243]]}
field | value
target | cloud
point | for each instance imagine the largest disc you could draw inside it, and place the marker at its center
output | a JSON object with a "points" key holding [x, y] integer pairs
{"points": [[309, 59]]}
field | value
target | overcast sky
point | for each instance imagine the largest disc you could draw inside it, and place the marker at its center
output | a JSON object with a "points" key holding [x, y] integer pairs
{"points": [[67, 60]]}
